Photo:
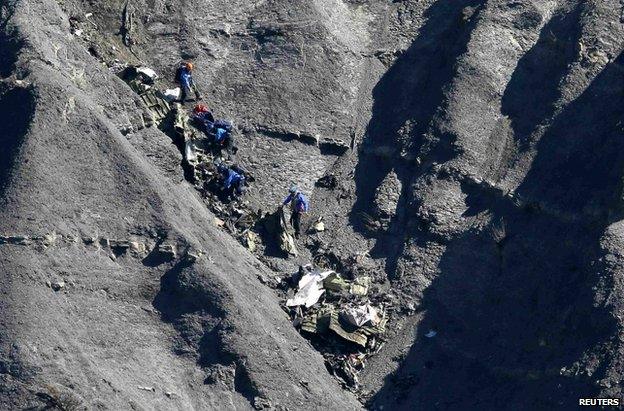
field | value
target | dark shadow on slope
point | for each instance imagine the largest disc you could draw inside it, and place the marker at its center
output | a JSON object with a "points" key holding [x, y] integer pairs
{"points": [[9, 48], [155, 256], [244, 385], [10, 45], [514, 316], [580, 160], [411, 91], [167, 127], [17, 108], [193, 307], [533, 90], [508, 320]]}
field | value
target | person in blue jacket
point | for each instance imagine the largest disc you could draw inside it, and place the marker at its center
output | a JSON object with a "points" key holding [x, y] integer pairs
{"points": [[233, 181], [184, 76], [223, 138], [218, 131], [299, 205]]}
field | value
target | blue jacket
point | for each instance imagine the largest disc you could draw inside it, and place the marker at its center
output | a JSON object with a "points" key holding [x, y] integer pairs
{"points": [[232, 178], [220, 135], [300, 202], [186, 79], [206, 120]]}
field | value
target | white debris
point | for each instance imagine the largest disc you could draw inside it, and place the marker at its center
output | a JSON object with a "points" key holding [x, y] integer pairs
{"points": [[172, 94], [78, 32], [310, 289], [190, 153], [362, 315], [148, 72], [315, 275], [319, 226], [307, 296]]}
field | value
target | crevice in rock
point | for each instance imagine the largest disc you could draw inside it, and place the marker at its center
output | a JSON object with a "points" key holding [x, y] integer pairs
{"points": [[326, 145]]}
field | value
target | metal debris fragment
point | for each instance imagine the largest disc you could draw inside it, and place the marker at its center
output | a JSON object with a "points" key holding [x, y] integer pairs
{"points": [[359, 316], [339, 311], [287, 238], [310, 289], [250, 239], [318, 226]]}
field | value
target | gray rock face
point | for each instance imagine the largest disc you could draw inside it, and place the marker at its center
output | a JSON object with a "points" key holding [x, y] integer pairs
{"points": [[387, 196], [485, 134]]}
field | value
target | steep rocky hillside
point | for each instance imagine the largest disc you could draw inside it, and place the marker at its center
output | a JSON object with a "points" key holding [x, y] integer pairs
{"points": [[475, 154]]}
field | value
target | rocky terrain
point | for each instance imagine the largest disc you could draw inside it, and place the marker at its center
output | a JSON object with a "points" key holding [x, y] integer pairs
{"points": [[466, 155]]}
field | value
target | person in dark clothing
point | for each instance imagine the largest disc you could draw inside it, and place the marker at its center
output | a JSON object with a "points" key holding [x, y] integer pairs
{"points": [[203, 117], [299, 205], [202, 111], [233, 181], [218, 131], [184, 77], [223, 138]]}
